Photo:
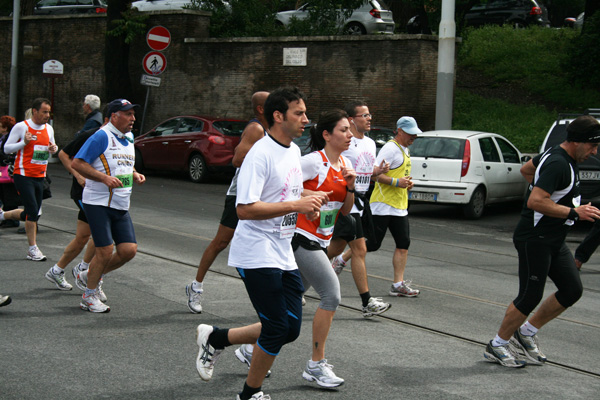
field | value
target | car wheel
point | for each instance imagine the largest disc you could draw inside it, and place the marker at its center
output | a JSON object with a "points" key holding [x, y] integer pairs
{"points": [[474, 209], [354, 28], [197, 168], [139, 162]]}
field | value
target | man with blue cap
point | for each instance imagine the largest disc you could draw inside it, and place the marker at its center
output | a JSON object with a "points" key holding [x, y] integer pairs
{"points": [[106, 162], [389, 201]]}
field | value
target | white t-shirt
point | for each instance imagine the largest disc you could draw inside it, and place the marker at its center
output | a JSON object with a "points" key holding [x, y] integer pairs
{"points": [[391, 154], [362, 155], [270, 173]]}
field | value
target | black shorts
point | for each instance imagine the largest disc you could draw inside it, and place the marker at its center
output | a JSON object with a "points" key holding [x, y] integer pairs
{"points": [[229, 217], [31, 191], [348, 227], [398, 226], [81, 216]]}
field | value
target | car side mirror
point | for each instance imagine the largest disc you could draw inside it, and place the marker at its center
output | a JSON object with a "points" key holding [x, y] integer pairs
{"points": [[525, 158]]}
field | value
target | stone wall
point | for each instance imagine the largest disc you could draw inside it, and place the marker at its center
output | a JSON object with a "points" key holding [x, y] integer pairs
{"points": [[396, 74]]}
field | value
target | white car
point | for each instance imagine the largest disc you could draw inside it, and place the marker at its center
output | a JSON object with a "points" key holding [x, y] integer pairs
{"points": [[467, 168], [160, 5], [371, 17]]}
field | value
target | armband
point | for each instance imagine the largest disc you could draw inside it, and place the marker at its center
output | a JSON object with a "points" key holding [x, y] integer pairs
{"points": [[573, 215]]}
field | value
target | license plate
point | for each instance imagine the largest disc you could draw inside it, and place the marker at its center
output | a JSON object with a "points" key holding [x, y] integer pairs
{"points": [[422, 196], [589, 175]]}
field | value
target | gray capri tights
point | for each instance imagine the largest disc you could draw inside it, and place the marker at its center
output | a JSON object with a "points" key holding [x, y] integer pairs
{"points": [[316, 271]]}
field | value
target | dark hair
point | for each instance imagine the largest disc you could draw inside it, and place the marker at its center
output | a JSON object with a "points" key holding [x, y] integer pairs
{"points": [[8, 122], [351, 107], [37, 103], [279, 100], [327, 122]]}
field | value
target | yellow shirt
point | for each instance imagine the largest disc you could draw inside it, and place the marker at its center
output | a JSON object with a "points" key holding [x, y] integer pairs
{"points": [[393, 196]]}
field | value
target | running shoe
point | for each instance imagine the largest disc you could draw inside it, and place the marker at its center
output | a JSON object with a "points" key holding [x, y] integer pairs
{"points": [[207, 355], [59, 280], [81, 280], [404, 290], [76, 270], [93, 304], [101, 295], [5, 300], [323, 374], [503, 355], [35, 254], [303, 301], [257, 396], [244, 354], [527, 346], [194, 299], [338, 265], [375, 306]]}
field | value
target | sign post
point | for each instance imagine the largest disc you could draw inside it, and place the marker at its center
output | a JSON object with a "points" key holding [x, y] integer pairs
{"points": [[52, 69]]}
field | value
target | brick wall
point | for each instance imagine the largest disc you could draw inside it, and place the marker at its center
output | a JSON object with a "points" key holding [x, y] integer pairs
{"points": [[395, 74]]}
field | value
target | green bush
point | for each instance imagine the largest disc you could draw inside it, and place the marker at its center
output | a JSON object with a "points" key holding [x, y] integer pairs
{"points": [[524, 126]]}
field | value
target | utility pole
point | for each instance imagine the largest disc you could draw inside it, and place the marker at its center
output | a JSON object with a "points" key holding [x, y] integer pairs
{"points": [[12, 97], [445, 77]]}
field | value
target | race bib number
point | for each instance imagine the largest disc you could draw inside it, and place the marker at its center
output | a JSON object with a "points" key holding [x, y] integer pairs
{"points": [[362, 182], [126, 180], [288, 225], [40, 155], [327, 221]]}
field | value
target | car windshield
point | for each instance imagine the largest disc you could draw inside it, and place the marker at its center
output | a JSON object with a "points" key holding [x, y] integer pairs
{"points": [[230, 128], [438, 147], [557, 136]]}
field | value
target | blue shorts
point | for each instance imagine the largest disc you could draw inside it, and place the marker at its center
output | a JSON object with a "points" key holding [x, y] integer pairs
{"points": [[109, 225], [277, 298]]}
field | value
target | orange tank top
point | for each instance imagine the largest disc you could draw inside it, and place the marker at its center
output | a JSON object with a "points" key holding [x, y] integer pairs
{"points": [[32, 160], [322, 229]]}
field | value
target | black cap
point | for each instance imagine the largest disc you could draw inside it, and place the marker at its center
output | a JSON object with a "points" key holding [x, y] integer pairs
{"points": [[120, 105], [584, 129]]}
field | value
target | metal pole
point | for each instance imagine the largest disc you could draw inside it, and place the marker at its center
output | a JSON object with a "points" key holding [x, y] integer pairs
{"points": [[445, 76], [12, 97], [144, 112]]}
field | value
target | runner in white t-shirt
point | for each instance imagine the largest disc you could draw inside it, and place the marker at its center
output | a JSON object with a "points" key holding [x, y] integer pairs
{"points": [[268, 200], [349, 229]]}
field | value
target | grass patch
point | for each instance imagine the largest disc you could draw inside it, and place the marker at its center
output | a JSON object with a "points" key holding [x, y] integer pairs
{"points": [[524, 126]]}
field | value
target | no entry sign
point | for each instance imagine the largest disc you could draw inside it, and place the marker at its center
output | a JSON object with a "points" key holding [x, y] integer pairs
{"points": [[154, 63], [158, 38]]}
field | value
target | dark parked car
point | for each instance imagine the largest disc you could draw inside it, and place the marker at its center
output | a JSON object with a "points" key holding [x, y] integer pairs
{"points": [[189, 143], [57, 7], [381, 135], [589, 170], [518, 13]]}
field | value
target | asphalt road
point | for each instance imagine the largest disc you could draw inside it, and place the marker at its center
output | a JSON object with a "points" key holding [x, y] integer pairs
{"points": [[429, 347]]}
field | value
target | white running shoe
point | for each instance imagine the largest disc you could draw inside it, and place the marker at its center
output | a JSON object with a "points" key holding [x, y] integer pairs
{"points": [[5, 300], [338, 265], [93, 304], [59, 280], [35, 254], [257, 396], [207, 355], [503, 355], [76, 270], [101, 295], [404, 290], [527, 346], [194, 299], [244, 354], [375, 306], [323, 374], [81, 280]]}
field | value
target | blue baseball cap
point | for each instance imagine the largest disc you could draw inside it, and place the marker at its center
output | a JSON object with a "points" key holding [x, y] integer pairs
{"points": [[120, 105], [408, 125]]}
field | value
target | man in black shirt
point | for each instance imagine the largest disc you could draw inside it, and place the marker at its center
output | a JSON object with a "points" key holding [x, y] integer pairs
{"points": [[551, 206]]}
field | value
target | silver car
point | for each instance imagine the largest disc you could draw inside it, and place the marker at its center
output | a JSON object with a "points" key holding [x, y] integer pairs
{"points": [[372, 17]]}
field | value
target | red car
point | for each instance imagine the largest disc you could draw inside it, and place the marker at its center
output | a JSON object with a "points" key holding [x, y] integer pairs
{"points": [[189, 143]]}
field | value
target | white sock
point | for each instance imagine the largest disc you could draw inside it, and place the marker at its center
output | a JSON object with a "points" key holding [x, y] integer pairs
{"points": [[341, 259], [397, 285], [527, 329], [312, 363], [1, 215], [84, 265], [33, 247], [197, 286], [56, 270], [498, 341]]}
